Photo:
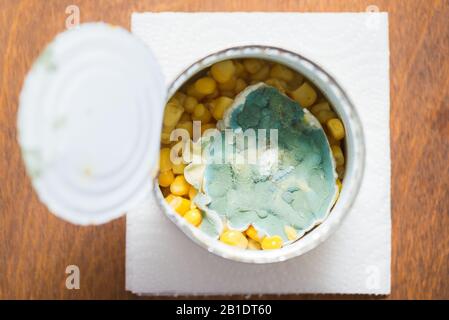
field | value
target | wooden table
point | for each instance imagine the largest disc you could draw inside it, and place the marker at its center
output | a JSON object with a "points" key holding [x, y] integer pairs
{"points": [[36, 247]]}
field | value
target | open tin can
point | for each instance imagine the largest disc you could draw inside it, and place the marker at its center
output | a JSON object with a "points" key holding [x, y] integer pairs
{"points": [[45, 144]]}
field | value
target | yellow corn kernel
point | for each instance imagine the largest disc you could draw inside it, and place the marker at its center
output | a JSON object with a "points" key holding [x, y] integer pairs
{"points": [[166, 178], [165, 163], [169, 198], [179, 186], [320, 107], [262, 74], [186, 125], [207, 126], [291, 233], [192, 192], [223, 71], [252, 233], [165, 138], [179, 168], [194, 217], [297, 80], [205, 85], [324, 115], [336, 128], [305, 95], [340, 171], [274, 242], [277, 83], [252, 65], [190, 104], [180, 205], [240, 70], [234, 238], [281, 72], [181, 97], [220, 105], [185, 117], [240, 84], [172, 114], [201, 113], [339, 185], [338, 155], [191, 91], [331, 139], [253, 245], [228, 85]]}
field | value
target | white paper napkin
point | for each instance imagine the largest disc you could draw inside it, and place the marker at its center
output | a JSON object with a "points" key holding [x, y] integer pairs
{"points": [[353, 47]]}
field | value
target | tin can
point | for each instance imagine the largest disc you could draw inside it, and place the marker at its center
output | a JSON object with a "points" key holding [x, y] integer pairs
{"points": [[355, 153]]}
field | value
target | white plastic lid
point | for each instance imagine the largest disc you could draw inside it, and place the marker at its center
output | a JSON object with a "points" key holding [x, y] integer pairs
{"points": [[89, 123]]}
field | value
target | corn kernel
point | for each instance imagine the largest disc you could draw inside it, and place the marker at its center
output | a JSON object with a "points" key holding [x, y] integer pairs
{"points": [[194, 217], [228, 85], [291, 233], [179, 186], [166, 178], [331, 139], [324, 115], [223, 71], [278, 84], [252, 65], [187, 125], [252, 233], [165, 163], [262, 74], [240, 70], [172, 114], [192, 192], [179, 168], [201, 113], [180, 205], [305, 95], [253, 245], [338, 155], [274, 242], [297, 80], [181, 97], [320, 107], [185, 117], [205, 85], [165, 138], [336, 128], [281, 72], [234, 238], [240, 85], [220, 105], [169, 198], [191, 91], [190, 104]]}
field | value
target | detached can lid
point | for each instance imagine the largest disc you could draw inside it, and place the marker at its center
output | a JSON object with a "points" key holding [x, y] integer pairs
{"points": [[89, 123]]}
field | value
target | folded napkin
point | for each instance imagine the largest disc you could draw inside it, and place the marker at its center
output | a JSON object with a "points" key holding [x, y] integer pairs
{"points": [[353, 47]]}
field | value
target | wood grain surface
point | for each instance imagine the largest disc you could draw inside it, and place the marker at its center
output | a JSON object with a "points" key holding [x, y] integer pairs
{"points": [[36, 247]]}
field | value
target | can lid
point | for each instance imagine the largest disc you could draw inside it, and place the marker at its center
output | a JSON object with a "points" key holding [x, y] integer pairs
{"points": [[89, 123]]}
